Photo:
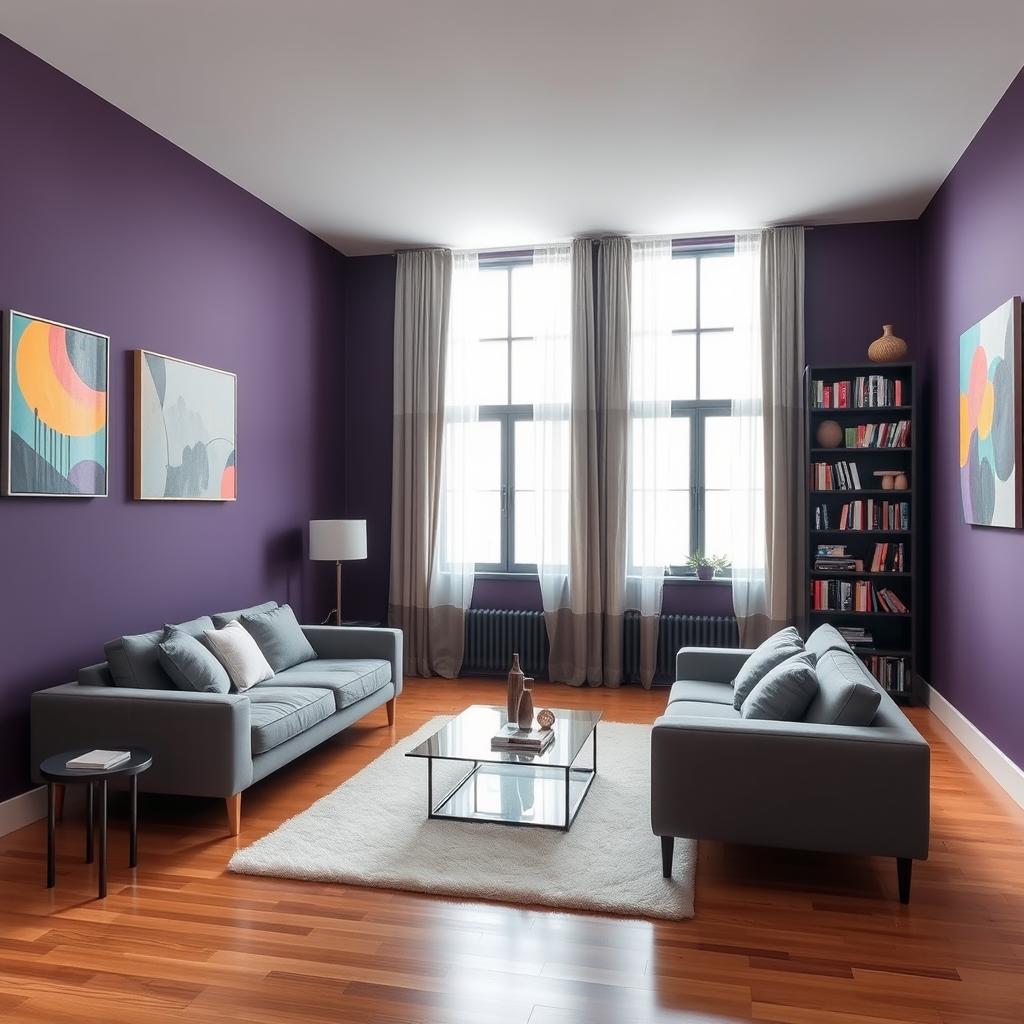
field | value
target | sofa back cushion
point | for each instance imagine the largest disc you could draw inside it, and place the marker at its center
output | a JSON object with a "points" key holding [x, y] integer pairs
{"points": [[135, 660], [221, 619], [825, 638], [774, 651], [190, 664], [846, 693], [785, 692], [279, 636]]}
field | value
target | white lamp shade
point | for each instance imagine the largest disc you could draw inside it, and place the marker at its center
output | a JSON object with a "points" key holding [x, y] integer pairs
{"points": [[337, 540]]}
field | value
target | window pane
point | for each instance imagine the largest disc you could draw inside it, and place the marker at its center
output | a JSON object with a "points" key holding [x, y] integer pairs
{"points": [[492, 298], [526, 302], [526, 528], [723, 371], [539, 376], [721, 437], [541, 454], [660, 476], [678, 476], [667, 370], [717, 523], [683, 301], [661, 527], [472, 513], [717, 291], [490, 373]]}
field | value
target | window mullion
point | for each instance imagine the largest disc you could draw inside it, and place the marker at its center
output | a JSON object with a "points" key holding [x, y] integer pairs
{"points": [[696, 481]]}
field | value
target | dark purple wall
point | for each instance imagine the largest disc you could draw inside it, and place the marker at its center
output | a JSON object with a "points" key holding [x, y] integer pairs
{"points": [[109, 227], [972, 262]]}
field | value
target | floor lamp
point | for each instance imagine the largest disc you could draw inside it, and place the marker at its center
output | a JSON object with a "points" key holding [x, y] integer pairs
{"points": [[337, 540]]}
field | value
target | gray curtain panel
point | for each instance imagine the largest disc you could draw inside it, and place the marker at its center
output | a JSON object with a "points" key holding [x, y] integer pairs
{"points": [[586, 636], [782, 367], [433, 636]]}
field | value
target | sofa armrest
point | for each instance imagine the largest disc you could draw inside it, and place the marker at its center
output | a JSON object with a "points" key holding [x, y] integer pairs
{"points": [[792, 784], [359, 642], [711, 664], [200, 742]]}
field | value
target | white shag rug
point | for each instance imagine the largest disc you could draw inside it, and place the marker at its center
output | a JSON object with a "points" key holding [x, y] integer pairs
{"points": [[373, 830]]}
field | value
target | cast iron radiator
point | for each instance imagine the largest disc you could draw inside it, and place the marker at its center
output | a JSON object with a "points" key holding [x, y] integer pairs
{"points": [[493, 634]]}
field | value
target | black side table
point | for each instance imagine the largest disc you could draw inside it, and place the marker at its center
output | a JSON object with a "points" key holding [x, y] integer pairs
{"points": [[55, 772]]}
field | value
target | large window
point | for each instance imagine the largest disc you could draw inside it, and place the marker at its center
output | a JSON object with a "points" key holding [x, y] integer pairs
{"points": [[697, 371]]}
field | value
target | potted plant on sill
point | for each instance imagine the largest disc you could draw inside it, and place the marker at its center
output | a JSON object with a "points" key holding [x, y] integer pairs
{"points": [[705, 566]]}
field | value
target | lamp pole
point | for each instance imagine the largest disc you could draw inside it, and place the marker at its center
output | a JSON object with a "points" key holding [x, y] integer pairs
{"points": [[337, 586]]}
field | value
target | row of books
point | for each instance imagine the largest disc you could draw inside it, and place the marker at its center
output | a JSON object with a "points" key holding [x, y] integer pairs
{"points": [[854, 596], [835, 476], [835, 558], [890, 671], [864, 514], [871, 392], [888, 558], [878, 435]]}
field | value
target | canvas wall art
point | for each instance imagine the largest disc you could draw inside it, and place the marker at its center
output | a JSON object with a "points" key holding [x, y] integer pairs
{"points": [[185, 416], [990, 419], [55, 409]]}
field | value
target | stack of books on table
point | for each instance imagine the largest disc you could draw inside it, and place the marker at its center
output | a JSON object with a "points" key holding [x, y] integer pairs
{"points": [[529, 741], [99, 760]]}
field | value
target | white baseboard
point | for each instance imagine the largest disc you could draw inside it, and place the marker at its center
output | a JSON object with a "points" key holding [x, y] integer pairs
{"points": [[987, 754], [22, 810]]}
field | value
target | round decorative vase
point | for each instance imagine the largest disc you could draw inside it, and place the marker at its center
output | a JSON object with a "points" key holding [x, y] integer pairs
{"points": [[525, 717], [829, 434], [900, 482], [888, 348], [545, 718], [705, 572], [516, 679]]}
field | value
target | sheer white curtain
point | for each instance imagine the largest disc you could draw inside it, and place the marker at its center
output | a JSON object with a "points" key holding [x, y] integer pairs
{"points": [[547, 311], [454, 565], [650, 519]]}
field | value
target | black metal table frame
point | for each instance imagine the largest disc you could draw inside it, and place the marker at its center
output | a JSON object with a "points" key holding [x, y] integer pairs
{"points": [[570, 812]]}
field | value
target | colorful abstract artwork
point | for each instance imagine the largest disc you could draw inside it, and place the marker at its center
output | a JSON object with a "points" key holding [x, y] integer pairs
{"points": [[990, 419], [55, 409], [184, 430]]}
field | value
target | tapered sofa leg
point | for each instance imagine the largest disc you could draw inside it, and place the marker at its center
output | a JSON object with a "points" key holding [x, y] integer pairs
{"points": [[904, 866], [233, 804], [667, 846], [391, 710]]}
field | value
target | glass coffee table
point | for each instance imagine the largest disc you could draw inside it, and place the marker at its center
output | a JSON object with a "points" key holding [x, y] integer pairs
{"points": [[511, 787]]}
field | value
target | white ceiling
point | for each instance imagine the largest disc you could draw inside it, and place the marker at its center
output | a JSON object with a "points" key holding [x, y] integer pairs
{"points": [[380, 124]]}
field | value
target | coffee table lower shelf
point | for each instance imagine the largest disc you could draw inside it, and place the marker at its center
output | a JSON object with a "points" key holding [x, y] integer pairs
{"points": [[538, 796]]}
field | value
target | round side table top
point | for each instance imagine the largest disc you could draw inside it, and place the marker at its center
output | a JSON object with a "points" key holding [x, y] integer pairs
{"points": [[55, 769]]}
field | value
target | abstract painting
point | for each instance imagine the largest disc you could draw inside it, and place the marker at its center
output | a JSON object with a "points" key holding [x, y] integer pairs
{"points": [[990, 419], [184, 430], [55, 409]]}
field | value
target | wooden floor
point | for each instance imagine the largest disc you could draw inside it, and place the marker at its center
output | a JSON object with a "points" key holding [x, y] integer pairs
{"points": [[778, 936]]}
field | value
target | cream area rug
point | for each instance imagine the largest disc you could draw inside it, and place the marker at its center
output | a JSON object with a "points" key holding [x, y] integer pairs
{"points": [[373, 830]]}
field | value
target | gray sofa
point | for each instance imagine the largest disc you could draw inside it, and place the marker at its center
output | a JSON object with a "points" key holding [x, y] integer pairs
{"points": [[799, 785], [217, 745]]}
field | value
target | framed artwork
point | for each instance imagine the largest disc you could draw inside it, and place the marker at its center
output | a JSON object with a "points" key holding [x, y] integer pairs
{"points": [[55, 409], [185, 430], [990, 419]]}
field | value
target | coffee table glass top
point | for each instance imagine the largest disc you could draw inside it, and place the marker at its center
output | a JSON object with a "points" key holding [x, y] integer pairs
{"points": [[467, 737]]}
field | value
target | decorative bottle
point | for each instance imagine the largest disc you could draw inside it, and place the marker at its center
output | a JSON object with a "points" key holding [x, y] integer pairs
{"points": [[515, 690], [525, 718]]}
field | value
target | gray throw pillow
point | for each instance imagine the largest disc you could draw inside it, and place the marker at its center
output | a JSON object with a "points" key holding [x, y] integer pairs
{"points": [[221, 619], [774, 651], [135, 660], [785, 692], [190, 664], [846, 693], [279, 636]]}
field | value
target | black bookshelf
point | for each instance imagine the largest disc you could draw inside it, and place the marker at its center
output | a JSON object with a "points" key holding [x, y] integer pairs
{"points": [[894, 636]]}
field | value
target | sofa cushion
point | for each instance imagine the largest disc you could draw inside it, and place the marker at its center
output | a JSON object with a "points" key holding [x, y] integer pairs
{"points": [[349, 679], [825, 638], [774, 651], [701, 690], [278, 713], [784, 694], [279, 636], [239, 654], [847, 695], [221, 619], [700, 709], [135, 660], [190, 664]]}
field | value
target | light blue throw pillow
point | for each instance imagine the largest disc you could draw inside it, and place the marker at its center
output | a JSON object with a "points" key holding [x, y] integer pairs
{"points": [[785, 693], [190, 664], [279, 636], [774, 651]]}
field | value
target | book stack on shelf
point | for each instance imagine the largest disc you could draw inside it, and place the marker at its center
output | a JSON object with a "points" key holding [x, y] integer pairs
{"points": [[870, 576]]}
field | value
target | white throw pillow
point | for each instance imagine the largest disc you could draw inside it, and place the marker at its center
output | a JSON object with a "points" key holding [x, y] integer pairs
{"points": [[239, 654]]}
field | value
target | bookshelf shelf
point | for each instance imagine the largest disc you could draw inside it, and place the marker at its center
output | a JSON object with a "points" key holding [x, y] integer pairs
{"points": [[891, 648]]}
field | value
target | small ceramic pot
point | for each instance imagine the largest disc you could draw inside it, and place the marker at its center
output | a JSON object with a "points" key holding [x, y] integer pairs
{"points": [[705, 572], [888, 348]]}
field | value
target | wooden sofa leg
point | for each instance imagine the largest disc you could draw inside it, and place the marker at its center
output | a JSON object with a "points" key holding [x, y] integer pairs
{"points": [[58, 798], [904, 866], [391, 710], [233, 805], [667, 846]]}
